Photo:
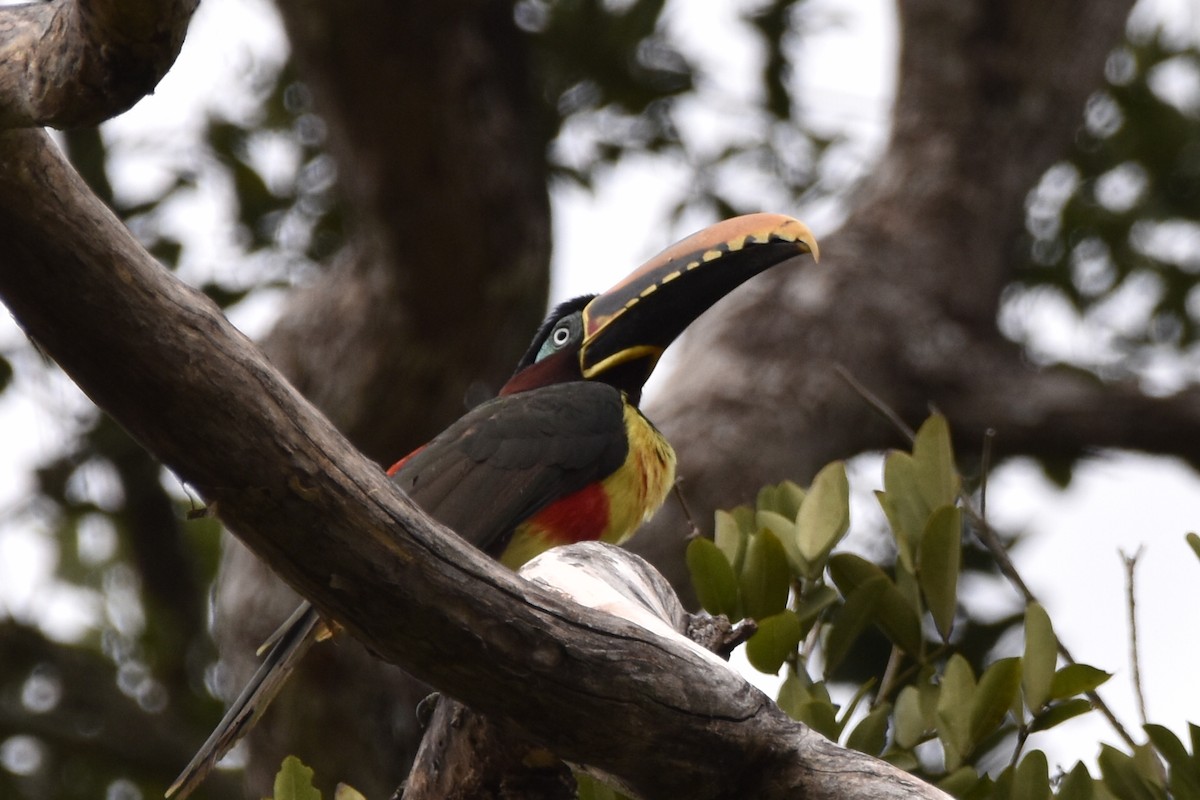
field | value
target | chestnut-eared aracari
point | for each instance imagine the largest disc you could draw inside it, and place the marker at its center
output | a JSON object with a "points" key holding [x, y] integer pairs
{"points": [[562, 454]]}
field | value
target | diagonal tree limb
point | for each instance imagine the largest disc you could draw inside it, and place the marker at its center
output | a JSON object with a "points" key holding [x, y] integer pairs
{"points": [[159, 357]]}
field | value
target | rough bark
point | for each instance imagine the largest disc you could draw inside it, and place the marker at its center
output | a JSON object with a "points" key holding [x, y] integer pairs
{"points": [[467, 755], [989, 94], [79, 62], [159, 357]]}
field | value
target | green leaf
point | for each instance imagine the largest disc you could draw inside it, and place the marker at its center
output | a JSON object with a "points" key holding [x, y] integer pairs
{"points": [[1122, 776], [909, 588], [1003, 785], [784, 499], [954, 710], [896, 618], [588, 788], [815, 601], [1193, 541], [903, 505], [1059, 713], [712, 576], [933, 455], [1168, 744], [850, 571], [1148, 765], [794, 692], [346, 792], [870, 735], [938, 566], [993, 697], [809, 703], [821, 716], [765, 579], [6, 374], [777, 637], [911, 726], [1032, 778], [857, 612], [1076, 679], [784, 529], [1041, 656], [294, 781], [1184, 775], [731, 538], [1077, 785], [959, 782], [824, 516], [902, 759]]}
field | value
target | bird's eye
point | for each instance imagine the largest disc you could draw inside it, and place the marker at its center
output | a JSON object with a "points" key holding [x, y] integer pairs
{"points": [[563, 334]]}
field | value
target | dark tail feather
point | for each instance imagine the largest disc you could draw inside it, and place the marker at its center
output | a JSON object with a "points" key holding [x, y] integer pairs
{"points": [[290, 642]]}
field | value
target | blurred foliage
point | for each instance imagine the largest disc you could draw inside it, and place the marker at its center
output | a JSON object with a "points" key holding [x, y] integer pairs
{"points": [[615, 81], [938, 705], [294, 781], [1122, 211]]}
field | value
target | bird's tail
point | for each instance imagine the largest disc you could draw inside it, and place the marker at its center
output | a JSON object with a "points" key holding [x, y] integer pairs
{"points": [[286, 645]]}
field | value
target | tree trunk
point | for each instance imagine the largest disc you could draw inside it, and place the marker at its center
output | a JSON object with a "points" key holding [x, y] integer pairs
{"points": [[431, 119], [989, 96]]}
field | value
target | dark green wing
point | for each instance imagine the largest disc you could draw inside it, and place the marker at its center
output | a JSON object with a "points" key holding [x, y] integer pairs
{"points": [[509, 458]]}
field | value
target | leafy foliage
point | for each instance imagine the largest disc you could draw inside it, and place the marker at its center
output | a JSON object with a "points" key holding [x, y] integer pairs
{"points": [[294, 781], [931, 710], [612, 77], [1122, 211]]}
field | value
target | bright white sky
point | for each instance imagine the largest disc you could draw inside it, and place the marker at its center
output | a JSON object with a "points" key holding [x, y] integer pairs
{"points": [[1071, 558]]}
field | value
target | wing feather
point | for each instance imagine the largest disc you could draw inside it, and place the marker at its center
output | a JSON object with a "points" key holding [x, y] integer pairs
{"points": [[509, 458]]}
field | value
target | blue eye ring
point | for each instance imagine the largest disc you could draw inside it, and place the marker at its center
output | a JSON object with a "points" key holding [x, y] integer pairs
{"points": [[565, 333]]}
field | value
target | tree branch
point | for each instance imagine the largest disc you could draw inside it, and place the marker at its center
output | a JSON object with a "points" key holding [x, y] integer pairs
{"points": [[159, 357], [78, 62]]}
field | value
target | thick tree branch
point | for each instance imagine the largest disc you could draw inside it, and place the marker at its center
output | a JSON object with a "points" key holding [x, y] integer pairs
{"points": [[1059, 412], [160, 358], [78, 62]]}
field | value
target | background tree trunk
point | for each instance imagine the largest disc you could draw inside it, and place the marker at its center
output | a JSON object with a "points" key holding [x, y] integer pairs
{"points": [[442, 161], [440, 144], [989, 96]]}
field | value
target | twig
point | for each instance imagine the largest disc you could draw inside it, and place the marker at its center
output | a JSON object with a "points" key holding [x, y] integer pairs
{"points": [[987, 536], [889, 674], [985, 469], [1130, 567], [875, 402], [992, 542], [687, 512]]}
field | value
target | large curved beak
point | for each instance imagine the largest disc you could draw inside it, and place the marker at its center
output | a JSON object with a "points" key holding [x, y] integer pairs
{"points": [[638, 318]]}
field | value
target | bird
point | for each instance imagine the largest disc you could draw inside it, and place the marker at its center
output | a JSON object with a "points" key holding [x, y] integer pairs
{"points": [[562, 454]]}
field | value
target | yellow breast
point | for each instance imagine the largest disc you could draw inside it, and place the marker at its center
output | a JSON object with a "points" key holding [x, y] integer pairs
{"points": [[610, 511], [640, 486]]}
